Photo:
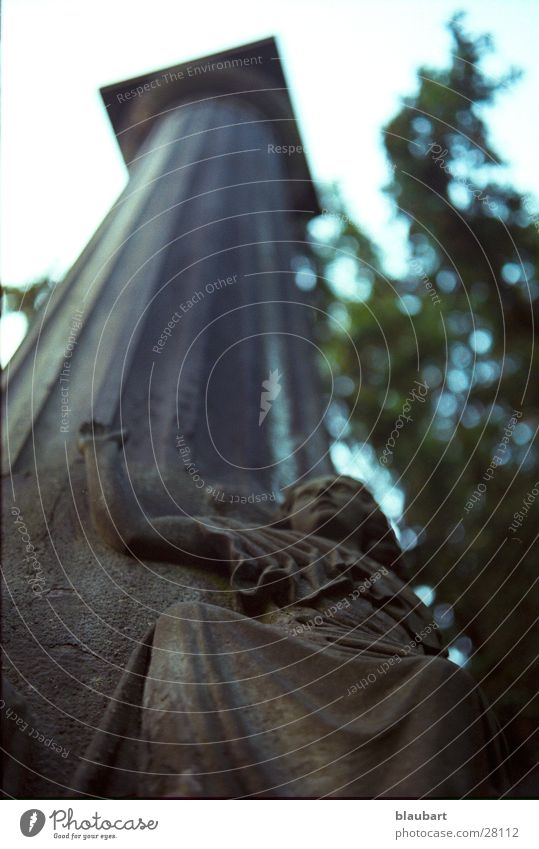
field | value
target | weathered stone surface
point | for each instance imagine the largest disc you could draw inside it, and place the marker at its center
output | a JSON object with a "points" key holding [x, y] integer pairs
{"points": [[65, 651], [208, 209]]}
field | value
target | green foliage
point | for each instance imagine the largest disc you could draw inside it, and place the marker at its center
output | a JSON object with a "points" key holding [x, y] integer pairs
{"points": [[27, 300], [462, 318]]}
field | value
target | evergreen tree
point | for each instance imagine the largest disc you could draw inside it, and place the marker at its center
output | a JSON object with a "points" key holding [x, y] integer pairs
{"points": [[461, 320]]}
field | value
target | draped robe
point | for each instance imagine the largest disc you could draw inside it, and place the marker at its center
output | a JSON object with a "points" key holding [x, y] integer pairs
{"points": [[329, 682]]}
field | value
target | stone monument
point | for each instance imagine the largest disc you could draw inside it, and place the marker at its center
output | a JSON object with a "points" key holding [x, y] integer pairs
{"points": [[195, 604]]}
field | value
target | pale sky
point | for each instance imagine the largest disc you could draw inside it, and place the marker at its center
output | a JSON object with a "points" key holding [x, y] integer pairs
{"points": [[347, 63]]}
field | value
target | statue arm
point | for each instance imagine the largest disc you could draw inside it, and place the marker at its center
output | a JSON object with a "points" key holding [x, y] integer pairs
{"points": [[178, 539], [121, 522]]}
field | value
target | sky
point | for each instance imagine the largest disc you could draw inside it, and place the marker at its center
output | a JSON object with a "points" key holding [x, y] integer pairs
{"points": [[348, 63], [61, 167]]}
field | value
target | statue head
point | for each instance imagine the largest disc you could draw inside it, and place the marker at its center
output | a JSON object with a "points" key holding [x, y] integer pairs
{"points": [[344, 510]]}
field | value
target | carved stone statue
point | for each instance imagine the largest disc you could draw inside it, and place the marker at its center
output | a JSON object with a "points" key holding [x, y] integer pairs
{"points": [[322, 675]]}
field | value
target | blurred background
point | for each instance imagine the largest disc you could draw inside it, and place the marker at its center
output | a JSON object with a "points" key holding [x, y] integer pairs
{"points": [[421, 127]]}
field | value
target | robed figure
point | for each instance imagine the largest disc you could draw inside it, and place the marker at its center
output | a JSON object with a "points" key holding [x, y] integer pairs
{"points": [[323, 675]]}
